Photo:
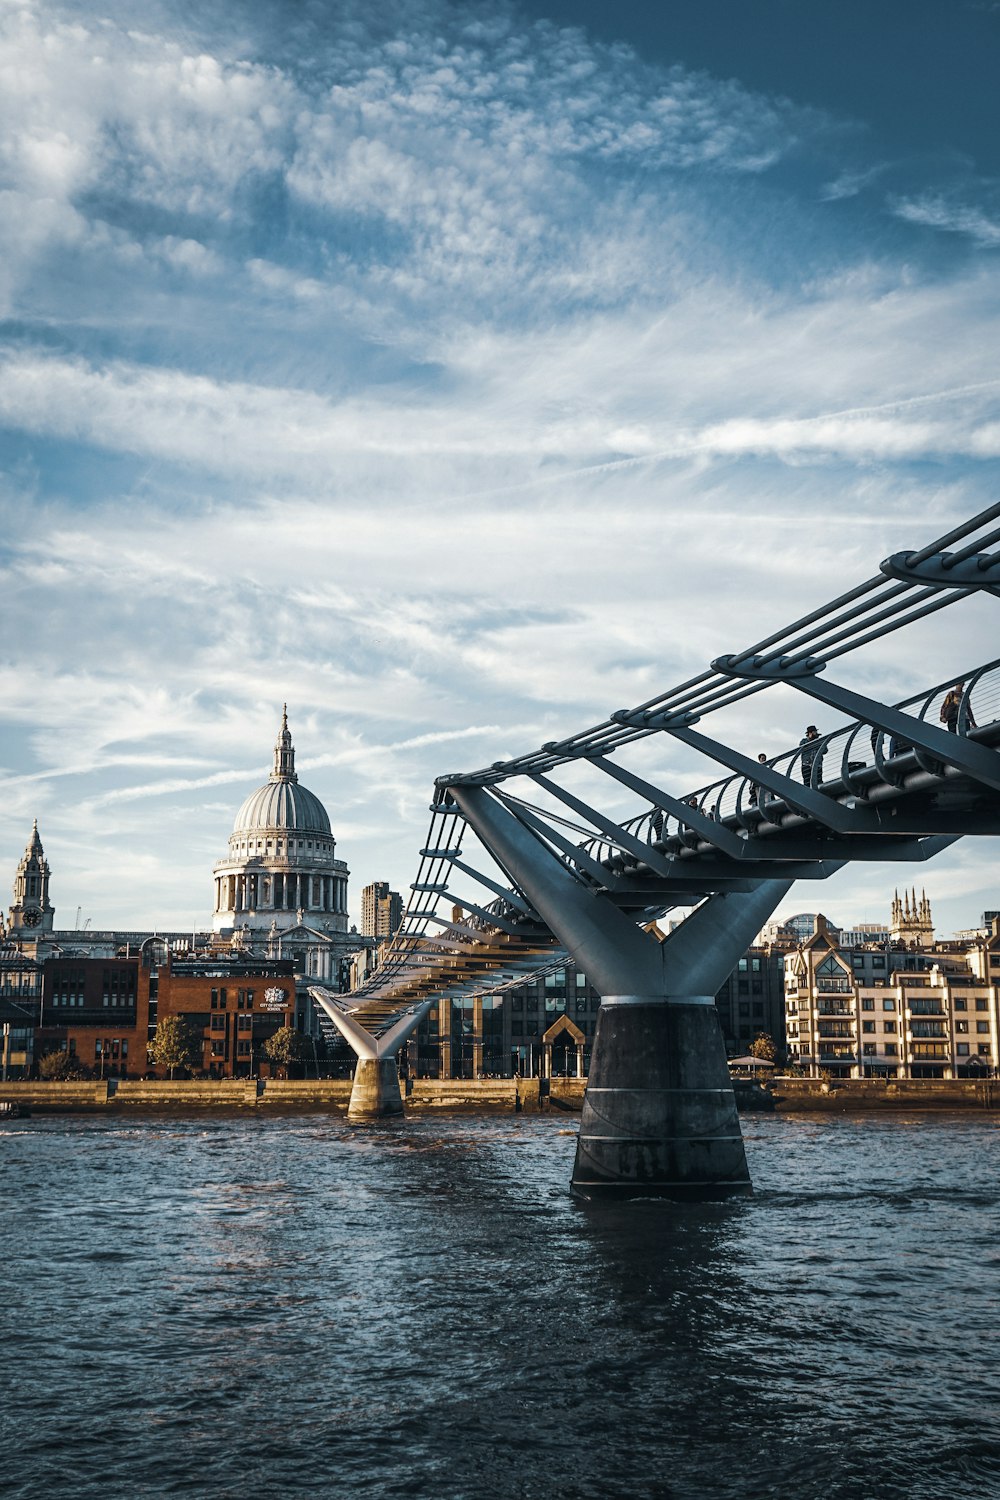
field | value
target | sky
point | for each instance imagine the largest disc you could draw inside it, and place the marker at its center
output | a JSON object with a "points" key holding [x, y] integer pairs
{"points": [[460, 373]]}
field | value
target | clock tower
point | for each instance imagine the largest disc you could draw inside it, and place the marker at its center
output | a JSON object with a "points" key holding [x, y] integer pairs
{"points": [[32, 912]]}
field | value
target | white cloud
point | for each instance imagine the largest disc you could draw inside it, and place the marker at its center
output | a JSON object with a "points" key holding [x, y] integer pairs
{"points": [[954, 218]]}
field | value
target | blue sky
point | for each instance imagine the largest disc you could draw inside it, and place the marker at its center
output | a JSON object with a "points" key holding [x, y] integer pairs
{"points": [[459, 373]]}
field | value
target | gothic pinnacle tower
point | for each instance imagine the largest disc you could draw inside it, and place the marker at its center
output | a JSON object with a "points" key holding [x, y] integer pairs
{"points": [[32, 912]]}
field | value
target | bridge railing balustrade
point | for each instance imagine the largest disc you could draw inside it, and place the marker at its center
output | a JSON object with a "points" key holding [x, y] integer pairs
{"points": [[842, 760]]}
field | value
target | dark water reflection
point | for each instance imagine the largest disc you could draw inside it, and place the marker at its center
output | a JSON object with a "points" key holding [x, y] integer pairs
{"points": [[293, 1307]]}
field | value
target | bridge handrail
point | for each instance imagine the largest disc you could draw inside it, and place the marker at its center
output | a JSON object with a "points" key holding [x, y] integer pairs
{"points": [[653, 826]]}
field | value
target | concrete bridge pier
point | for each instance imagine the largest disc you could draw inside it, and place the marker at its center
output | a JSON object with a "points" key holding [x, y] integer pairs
{"points": [[659, 1114], [375, 1094]]}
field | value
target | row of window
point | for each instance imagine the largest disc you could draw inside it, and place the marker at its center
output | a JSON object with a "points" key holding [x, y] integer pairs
{"points": [[891, 1049], [218, 1049], [270, 846], [112, 1047], [220, 999], [110, 1002]]}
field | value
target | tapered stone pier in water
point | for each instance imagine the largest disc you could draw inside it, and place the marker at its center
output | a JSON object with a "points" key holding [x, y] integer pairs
{"points": [[659, 1114], [376, 1092]]}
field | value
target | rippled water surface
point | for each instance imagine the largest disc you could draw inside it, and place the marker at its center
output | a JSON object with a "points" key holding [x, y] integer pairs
{"points": [[293, 1307]]}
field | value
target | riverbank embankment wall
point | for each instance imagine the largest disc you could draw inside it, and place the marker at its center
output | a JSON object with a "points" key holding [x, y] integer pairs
{"points": [[458, 1095]]}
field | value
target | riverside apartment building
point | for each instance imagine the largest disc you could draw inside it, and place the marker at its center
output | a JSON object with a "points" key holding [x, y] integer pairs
{"points": [[906, 1008]]}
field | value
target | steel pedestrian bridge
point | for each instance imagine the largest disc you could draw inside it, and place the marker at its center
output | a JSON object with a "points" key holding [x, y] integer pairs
{"points": [[563, 876]]}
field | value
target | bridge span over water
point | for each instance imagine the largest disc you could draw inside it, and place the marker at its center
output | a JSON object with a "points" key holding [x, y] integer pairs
{"points": [[524, 864]]}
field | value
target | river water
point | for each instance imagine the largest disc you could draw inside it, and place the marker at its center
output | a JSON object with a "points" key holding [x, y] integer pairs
{"points": [[285, 1307]]}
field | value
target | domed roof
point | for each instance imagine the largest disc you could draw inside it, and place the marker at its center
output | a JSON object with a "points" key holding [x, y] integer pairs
{"points": [[281, 802]]}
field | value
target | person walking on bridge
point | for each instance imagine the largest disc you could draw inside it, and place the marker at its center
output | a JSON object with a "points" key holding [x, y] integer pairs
{"points": [[950, 710], [753, 792], [808, 745]]}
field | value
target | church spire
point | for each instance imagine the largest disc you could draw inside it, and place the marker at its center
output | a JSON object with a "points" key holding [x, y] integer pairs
{"points": [[284, 751], [32, 909]]}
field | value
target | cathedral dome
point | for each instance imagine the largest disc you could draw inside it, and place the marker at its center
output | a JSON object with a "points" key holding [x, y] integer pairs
{"points": [[281, 871], [281, 803]]}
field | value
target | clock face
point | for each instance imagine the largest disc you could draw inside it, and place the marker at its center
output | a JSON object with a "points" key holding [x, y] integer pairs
{"points": [[32, 918]]}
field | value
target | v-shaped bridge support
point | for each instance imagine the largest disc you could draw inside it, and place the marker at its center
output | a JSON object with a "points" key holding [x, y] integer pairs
{"points": [[659, 1115], [375, 1093]]}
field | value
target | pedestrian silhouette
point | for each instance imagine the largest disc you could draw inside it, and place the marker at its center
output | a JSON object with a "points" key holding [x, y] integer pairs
{"points": [[951, 707], [754, 792], [809, 744]]}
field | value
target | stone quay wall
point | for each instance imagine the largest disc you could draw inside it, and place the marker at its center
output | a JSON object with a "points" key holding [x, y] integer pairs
{"points": [[463, 1095], [873, 1094], [298, 1095]]}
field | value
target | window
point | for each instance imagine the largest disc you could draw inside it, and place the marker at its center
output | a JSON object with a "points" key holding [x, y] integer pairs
{"points": [[868, 1005], [878, 962], [868, 1048], [983, 1049], [215, 999], [755, 965], [243, 1049], [888, 1005], [218, 1023], [961, 1027], [245, 1023], [581, 981], [758, 1009], [867, 1026], [222, 999], [890, 1049], [962, 1049], [218, 1049], [961, 1005], [249, 999], [744, 1008], [981, 1005], [982, 1026], [889, 1026], [742, 965]]}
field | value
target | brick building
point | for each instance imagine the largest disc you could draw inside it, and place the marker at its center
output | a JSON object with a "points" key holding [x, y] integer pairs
{"points": [[103, 1012], [235, 1005]]}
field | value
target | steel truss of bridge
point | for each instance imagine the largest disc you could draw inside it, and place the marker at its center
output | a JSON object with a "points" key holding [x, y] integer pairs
{"points": [[554, 869]]}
